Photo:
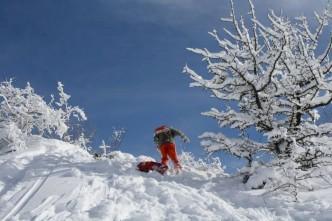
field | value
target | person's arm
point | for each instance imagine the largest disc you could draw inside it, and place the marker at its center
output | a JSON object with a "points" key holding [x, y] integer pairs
{"points": [[156, 141], [179, 133]]}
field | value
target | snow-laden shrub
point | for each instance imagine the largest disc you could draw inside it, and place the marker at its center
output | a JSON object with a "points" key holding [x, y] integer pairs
{"points": [[211, 164], [28, 113], [112, 144], [12, 138], [68, 114], [274, 79], [116, 138], [83, 141]]}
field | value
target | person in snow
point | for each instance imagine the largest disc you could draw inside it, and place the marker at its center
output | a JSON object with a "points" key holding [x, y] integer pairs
{"points": [[164, 139]]}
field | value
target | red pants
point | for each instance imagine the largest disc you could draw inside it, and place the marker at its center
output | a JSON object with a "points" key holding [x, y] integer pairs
{"points": [[168, 150]]}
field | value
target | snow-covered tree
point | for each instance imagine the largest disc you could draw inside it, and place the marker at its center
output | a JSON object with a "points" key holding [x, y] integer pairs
{"points": [[274, 78], [29, 113]]}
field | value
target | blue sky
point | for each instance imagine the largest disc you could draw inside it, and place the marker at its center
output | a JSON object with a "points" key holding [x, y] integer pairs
{"points": [[121, 60]]}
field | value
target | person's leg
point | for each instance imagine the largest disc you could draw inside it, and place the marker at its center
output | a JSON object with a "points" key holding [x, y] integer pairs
{"points": [[172, 154], [163, 151]]}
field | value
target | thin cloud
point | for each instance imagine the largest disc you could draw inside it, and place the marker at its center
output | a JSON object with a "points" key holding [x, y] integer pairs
{"points": [[188, 4], [169, 12], [298, 5], [189, 12]]}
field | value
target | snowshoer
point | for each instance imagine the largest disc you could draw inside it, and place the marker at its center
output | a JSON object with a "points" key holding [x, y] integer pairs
{"points": [[164, 139]]}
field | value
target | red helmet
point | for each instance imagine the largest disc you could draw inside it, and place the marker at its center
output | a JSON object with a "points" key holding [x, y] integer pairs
{"points": [[161, 129]]}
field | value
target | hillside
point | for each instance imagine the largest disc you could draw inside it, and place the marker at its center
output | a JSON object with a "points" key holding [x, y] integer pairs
{"points": [[53, 180]]}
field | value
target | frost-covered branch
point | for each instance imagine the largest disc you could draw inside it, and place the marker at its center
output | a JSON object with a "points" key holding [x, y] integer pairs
{"points": [[277, 77], [30, 113], [242, 148]]}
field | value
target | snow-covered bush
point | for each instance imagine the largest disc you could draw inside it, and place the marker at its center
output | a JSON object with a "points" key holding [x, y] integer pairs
{"points": [[112, 144], [274, 79], [29, 113], [83, 141], [11, 137], [211, 164], [69, 114], [116, 138]]}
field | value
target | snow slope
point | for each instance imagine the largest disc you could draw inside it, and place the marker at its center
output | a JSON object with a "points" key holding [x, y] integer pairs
{"points": [[53, 180]]}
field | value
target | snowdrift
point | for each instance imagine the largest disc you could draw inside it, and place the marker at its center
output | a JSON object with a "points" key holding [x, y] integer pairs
{"points": [[53, 180]]}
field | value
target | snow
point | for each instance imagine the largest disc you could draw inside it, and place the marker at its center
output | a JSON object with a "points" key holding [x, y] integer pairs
{"points": [[54, 180]]}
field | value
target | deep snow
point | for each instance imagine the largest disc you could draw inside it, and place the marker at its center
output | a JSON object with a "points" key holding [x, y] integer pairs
{"points": [[53, 180]]}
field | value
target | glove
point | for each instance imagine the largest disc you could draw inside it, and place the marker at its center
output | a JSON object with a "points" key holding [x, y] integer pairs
{"points": [[186, 140]]}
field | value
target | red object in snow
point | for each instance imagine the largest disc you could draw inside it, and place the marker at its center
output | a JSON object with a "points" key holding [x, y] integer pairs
{"points": [[152, 166]]}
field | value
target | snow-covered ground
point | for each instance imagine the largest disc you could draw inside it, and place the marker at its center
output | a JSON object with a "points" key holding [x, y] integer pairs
{"points": [[53, 180]]}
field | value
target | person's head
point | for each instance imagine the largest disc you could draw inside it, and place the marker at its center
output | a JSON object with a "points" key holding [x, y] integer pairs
{"points": [[161, 129]]}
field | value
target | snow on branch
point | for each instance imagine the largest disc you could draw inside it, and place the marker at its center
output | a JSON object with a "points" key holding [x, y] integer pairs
{"points": [[242, 148], [29, 113], [231, 118], [278, 77]]}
